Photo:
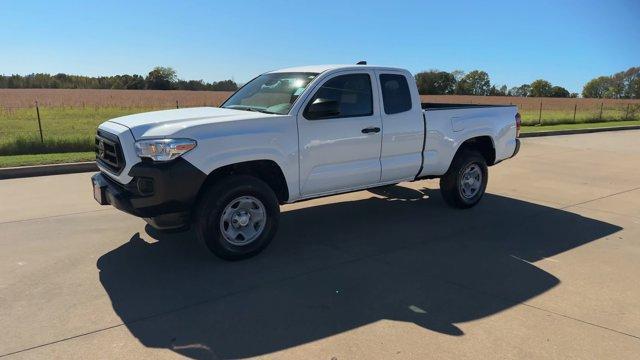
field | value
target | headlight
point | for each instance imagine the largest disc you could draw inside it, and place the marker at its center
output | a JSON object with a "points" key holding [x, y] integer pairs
{"points": [[164, 149]]}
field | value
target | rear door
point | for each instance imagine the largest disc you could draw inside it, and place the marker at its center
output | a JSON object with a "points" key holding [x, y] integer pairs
{"points": [[341, 151], [403, 126]]}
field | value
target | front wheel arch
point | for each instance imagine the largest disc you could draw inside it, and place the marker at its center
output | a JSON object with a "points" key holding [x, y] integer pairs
{"points": [[266, 170], [215, 200]]}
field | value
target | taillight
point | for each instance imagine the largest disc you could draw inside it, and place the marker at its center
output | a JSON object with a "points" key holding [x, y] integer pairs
{"points": [[518, 121]]}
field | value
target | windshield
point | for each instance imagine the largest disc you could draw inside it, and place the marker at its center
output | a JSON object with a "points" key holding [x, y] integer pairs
{"points": [[272, 93]]}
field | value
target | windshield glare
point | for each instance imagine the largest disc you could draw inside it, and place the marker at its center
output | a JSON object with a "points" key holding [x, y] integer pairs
{"points": [[272, 93]]}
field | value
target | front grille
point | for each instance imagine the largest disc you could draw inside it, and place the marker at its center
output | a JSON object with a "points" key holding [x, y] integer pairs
{"points": [[109, 152]]}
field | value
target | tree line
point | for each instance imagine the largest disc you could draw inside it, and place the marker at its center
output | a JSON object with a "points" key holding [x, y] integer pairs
{"points": [[477, 82], [160, 78], [622, 85]]}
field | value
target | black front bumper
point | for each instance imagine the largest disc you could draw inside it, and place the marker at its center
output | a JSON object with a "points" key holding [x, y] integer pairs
{"points": [[162, 193]]}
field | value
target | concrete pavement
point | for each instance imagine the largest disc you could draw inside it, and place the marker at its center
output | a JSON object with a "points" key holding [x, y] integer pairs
{"points": [[546, 266]]}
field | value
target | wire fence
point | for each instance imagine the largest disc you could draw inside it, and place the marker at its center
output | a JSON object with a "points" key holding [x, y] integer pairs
{"points": [[73, 126], [551, 111], [49, 122], [588, 114]]}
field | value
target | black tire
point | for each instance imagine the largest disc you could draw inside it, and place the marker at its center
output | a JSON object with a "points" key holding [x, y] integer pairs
{"points": [[207, 220], [451, 183]]}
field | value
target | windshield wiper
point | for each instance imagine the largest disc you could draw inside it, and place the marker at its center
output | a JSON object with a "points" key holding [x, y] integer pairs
{"points": [[264, 111], [249, 108]]}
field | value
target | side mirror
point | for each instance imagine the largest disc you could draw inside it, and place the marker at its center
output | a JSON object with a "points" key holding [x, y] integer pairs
{"points": [[322, 108]]}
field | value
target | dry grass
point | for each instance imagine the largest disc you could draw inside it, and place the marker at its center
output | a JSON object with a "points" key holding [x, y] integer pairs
{"points": [[70, 116], [21, 98], [554, 110], [532, 103]]}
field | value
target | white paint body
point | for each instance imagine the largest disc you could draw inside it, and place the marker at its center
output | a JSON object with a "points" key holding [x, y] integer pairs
{"points": [[324, 157]]}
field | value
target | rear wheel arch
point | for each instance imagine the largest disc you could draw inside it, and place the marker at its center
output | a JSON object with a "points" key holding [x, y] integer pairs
{"points": [[468, 170], [482, 144]]}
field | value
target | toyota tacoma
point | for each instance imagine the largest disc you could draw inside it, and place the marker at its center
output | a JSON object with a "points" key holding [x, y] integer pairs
{"points": [[291, 135]]}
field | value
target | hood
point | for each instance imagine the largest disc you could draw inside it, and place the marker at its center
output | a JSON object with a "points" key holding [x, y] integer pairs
{"points": [[166, 122]]}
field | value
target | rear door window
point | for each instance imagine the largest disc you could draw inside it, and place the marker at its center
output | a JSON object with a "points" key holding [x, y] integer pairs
{"points": [[395, 93]]}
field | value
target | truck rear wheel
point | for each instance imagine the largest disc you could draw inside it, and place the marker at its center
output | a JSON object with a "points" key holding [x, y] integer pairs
{"points": [[237, 217], [466, 181]]}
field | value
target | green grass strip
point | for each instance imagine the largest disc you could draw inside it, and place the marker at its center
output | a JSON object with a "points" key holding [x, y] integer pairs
{"points": [[42, 159], [528, 129]]}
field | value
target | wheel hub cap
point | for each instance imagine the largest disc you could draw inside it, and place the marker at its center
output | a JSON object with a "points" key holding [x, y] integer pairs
{"points": [[470, 181], [240, 219], [243, 220]]}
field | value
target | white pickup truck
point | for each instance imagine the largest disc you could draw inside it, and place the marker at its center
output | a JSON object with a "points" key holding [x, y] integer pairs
{"points": [[291, 135]]}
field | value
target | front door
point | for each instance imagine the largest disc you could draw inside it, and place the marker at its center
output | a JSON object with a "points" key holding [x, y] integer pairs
{"points": [[340, 148]]}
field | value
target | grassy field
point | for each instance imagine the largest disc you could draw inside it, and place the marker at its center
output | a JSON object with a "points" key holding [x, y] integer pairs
{"points": [[55, 158], [39, 159], [69, 117], [64, 129]]}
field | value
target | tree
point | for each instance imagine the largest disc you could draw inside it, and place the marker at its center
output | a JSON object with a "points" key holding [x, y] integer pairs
{"points": [[494, 91], [522, 91], [161, 78], [474, 83], [633, 89], [596, 88], [616, 87], [224, 85], [134, 82], [631, 81], [458, 75], [559, 92], [126, 82], [193, 85], [540, 88], [435, 82], [621, 85]]}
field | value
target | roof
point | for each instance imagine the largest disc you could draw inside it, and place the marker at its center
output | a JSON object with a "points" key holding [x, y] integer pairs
{"points": [[323, 68]]}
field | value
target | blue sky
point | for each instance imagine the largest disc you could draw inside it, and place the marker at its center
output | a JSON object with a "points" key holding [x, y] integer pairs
{"points": [[565, 42]]}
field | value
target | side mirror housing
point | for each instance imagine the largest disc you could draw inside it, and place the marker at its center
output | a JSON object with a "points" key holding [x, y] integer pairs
{"points": [[322, 108]]}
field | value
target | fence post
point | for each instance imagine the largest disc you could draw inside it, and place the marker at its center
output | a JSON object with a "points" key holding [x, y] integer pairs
{"points": [[600, 117], [39, 123], [575, 108], [626, 115], [540, 114], [177, 107]]}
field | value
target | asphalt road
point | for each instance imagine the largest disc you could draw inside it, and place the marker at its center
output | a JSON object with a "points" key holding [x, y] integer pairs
{"points": [[547, 266]]}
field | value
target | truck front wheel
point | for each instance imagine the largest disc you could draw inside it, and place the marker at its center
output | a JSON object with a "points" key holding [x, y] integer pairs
{"points": [[237, 217], [466, 181]]}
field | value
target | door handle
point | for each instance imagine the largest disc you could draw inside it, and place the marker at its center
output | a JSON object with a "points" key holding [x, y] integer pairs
{"points": [[372, 129]]}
